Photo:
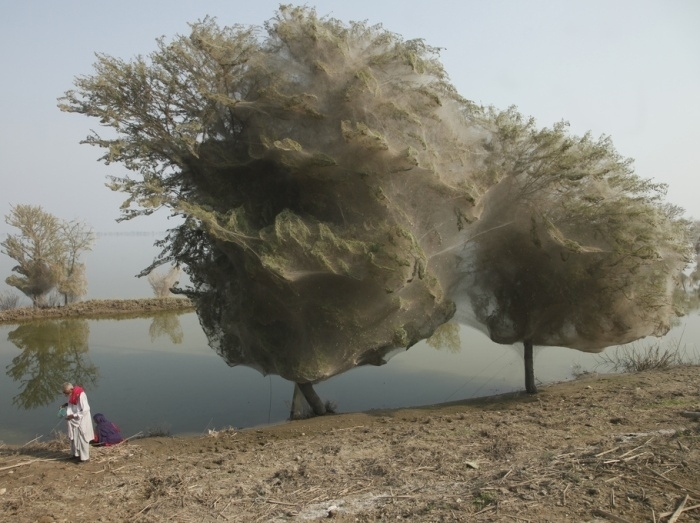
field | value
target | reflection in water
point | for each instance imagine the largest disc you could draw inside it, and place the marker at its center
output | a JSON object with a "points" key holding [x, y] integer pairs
{"points": [[166, 323], [446, 337], [52, 352], [141, 382]]}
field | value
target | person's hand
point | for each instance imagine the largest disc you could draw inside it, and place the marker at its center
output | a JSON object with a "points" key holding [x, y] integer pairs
{"points": [[64, 405], [70, 416]]}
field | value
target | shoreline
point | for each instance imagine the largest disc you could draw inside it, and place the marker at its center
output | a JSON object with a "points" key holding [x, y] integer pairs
{"points": [[608, 447], [94, 309], [602, 447]]}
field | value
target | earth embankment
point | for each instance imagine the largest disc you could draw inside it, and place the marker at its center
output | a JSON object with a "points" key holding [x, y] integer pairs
{"points": [[96, 309], [622, 448]]}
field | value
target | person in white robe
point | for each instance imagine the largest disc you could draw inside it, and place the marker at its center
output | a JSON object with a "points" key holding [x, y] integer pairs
{"points": [[80, 430]]}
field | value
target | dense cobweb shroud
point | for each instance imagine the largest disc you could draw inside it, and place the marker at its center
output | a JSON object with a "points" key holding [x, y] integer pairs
{"points": [[342, 200]]}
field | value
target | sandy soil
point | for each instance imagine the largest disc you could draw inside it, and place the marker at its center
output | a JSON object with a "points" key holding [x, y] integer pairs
{"points": [[96, 309], [601, 448]]}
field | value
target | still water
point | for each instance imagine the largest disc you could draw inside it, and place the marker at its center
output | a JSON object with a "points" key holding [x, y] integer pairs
{"points": [[157, 373]]}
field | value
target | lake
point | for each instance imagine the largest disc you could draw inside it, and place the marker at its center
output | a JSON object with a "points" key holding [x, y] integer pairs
{"points": [[157, 374]]}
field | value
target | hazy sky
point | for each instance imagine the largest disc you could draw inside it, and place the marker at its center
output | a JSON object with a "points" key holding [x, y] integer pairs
{"points": [[628, 69]]}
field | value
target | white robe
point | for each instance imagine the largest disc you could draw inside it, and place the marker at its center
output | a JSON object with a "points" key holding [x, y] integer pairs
{"points": [[80, 431]]}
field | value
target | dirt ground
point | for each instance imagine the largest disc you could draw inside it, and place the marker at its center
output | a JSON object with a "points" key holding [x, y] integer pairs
{"points": [[621, 448]]}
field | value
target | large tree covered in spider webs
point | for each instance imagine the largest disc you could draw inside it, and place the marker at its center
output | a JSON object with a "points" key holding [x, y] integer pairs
{"points": [[331, 181], [319, 168]]}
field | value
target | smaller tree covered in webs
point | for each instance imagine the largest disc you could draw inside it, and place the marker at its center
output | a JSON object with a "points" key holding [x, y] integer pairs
{"points": [[47, 251]]}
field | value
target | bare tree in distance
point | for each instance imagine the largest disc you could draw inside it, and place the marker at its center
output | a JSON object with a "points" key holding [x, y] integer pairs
{"points": [[694, 276], [163, 282], [688, 295], [72, 286], [78, 237], [8, 300]]}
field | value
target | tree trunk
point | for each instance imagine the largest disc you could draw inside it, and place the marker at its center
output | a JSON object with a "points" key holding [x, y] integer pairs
{"points": [[530, 386], [300, 407], [307, 389]]}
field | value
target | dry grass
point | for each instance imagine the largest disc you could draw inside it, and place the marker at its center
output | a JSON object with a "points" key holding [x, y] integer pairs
{"points": [[8, 301], [639, 357], [161, 430], [575, 452]]}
